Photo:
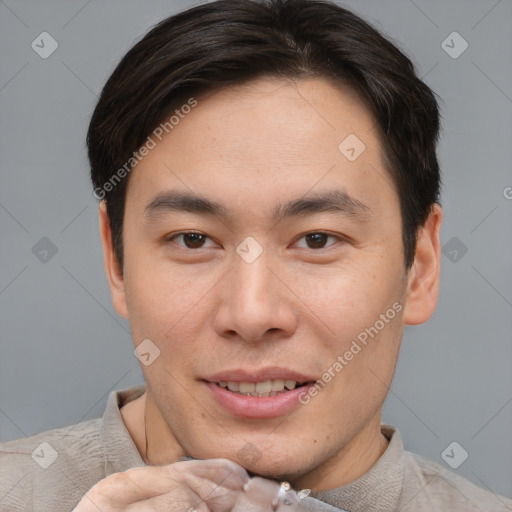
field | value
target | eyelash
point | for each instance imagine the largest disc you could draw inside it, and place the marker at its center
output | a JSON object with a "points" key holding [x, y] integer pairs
{"points": [[176, 235]]}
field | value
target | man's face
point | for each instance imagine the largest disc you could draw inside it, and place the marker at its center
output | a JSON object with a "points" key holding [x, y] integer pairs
{"points": [[221, 311]]}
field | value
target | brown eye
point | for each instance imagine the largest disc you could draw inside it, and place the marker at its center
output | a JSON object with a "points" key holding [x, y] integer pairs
{"points": [[191, 240], [196, 240], [317, 240]]}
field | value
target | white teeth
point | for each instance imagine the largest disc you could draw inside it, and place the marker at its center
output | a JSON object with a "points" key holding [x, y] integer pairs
{"points": [[290, 384], [264, 389], [246, 387], [233, 386], [277, 385]]}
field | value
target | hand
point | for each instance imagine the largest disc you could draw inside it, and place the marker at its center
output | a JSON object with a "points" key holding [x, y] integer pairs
{"points": [[264, 495], [213, 485]]}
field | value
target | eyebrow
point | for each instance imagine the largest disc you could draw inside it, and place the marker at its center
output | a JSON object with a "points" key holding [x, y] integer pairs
{"points": [[333, 201]]}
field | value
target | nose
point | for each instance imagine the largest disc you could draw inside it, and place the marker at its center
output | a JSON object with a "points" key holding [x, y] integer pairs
{"points": [[256, 302]]}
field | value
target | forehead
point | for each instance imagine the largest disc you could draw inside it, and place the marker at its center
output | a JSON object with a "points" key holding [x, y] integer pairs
{"points": [[288, 116], [272, 138]]}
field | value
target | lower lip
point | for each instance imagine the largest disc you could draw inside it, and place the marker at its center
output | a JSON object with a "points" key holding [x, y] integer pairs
{"points": [[254, 407]]}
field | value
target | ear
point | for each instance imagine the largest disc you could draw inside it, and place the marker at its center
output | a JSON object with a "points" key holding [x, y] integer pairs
{"points": [[423, 280], [114, 273]]}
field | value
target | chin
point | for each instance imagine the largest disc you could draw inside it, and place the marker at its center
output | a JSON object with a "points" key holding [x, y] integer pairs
{"points": [[263, 458], [284, 469]]}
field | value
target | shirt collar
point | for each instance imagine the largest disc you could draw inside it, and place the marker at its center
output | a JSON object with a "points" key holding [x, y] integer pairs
{"points": [[379, 488], [120, 450]]}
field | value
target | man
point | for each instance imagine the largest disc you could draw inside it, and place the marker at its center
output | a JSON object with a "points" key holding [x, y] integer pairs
{"points": [[269, 212]]}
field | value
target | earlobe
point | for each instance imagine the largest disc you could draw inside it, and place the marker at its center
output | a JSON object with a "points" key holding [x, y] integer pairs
{"points": [[423, 283], [114, 274]]}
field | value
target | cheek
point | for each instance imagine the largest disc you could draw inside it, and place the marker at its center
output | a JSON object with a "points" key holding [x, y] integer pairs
{"points": [[168, 305], [349, 304], [347, 299]]}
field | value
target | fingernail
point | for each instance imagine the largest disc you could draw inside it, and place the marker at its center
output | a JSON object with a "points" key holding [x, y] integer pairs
{"points": [[285, 486]]}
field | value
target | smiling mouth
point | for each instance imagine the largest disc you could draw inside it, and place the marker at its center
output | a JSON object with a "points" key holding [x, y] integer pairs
{"points": [[262, 389]]}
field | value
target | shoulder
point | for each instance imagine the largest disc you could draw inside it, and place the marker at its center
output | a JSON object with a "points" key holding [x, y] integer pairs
{"points": [[430, 486], [58, 466]]}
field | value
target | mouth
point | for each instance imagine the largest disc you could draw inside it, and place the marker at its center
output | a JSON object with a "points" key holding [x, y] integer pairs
{"points": [[262, 389], [267, 393]]}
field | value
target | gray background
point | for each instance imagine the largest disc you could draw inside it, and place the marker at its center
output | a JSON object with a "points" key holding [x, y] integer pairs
{"points": [[63, 346]]}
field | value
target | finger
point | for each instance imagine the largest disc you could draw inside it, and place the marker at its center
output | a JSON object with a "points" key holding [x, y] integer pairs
{"points": [[214, 494], [145, 482], [170, 503], [263, 494], [259, 493], [220, 500], [230, 474], [192, 494]]}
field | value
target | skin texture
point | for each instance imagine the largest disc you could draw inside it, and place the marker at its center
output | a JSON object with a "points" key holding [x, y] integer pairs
{"points": [[250, 148]]}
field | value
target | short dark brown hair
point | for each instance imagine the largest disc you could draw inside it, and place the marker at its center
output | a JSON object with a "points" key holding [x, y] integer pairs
{"points": [[229, 42]]}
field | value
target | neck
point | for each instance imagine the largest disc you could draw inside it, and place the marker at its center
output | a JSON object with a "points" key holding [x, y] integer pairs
{"points": [[150, 433]]}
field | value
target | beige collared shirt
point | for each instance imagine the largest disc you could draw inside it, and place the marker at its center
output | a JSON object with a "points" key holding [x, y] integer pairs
{"points": [[53, 470]]}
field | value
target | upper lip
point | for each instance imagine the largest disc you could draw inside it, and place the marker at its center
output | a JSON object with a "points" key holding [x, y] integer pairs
{"points": [[259, 375]]}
